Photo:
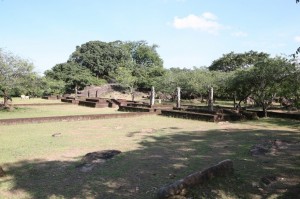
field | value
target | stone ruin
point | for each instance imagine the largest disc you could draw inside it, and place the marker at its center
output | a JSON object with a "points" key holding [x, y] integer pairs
{"points": [[97, 91], [180, 187]]}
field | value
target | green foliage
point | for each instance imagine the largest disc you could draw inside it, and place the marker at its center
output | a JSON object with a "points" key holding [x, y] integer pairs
{"points": [[263, 81], [233, 61], [14, 72], [145, 63], [74, 75], [52, 86], [196, 81], [143, 55], [123, 75], [100, 58]]}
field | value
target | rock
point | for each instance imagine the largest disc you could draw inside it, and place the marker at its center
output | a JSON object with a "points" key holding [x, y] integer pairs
{"points": [[99, 155], [268, 179], [90, 160], [279, 144], [87, 168], [56, 134], [180, 187], [2, 173], [258, 150]]}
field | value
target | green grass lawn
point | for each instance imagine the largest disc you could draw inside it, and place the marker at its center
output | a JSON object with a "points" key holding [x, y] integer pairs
{"points": [[53, 110], [156, 151], [18, 100]]}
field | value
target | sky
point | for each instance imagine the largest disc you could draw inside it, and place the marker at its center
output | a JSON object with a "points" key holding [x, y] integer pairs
{"points": [[188, 32]]}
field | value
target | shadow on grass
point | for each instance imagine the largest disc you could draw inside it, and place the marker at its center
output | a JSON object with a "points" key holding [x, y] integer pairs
{"points": [[162, 160], [282, 122]]}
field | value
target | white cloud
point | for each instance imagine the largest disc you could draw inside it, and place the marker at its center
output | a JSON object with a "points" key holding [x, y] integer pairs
{"points": [[297, 39], [209, 16], [240, 34], [207, 22]]}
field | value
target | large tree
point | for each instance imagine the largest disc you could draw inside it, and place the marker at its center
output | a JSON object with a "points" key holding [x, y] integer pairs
{"points": [[145, 62], [13, 72], [74, 75], [123, 75], [144, 55], [263, 81], [100, 57], [103, 59], [233, 61]]}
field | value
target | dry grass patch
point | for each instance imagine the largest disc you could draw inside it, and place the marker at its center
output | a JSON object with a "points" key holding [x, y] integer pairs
{"points": [[54, 110], [155, 151]]}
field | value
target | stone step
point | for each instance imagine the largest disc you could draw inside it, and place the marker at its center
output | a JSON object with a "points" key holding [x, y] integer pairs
{"points": [[94, 104], [192, 115], [135, 109]]}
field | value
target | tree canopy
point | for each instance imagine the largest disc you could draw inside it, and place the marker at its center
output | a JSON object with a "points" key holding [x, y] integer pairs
{"points": [[263, 81], [102, 60], [74, 75], [14, 72], [233, 61], [100, 57]]}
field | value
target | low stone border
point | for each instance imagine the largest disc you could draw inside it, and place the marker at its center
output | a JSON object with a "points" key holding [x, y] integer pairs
{"points": [[71, 118], [180, 187], [191, 115]]}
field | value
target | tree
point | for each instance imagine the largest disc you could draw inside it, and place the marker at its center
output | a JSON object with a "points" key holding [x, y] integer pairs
{"points": [[143, 54], [145, 62], [290, 87], [100, 57], [103, 59], [123, 75], [52, 86], [240, 85], [74, 75], [13, 70], [263, 81], [233, 61], [32, 85]]}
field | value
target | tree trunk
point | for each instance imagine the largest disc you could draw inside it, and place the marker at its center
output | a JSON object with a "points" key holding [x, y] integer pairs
{"points": [[234, 100], [265, 110], [5, 97]]}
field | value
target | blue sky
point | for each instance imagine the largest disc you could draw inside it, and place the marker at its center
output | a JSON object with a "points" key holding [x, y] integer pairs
{"points": [[189, 32]]}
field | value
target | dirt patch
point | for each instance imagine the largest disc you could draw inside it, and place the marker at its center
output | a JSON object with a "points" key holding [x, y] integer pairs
{"points": [[273, 147], [90, 160]]}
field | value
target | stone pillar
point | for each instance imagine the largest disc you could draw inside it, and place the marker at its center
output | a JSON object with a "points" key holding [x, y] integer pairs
{"points": [[211, 99], [88, 93], [96, 93], [178, 97], [152, 96]]}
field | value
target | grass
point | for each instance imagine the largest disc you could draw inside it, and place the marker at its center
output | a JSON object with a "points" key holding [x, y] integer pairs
{"points": [[196, 102], [18, 100], [53, 110], [155, 151]]}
